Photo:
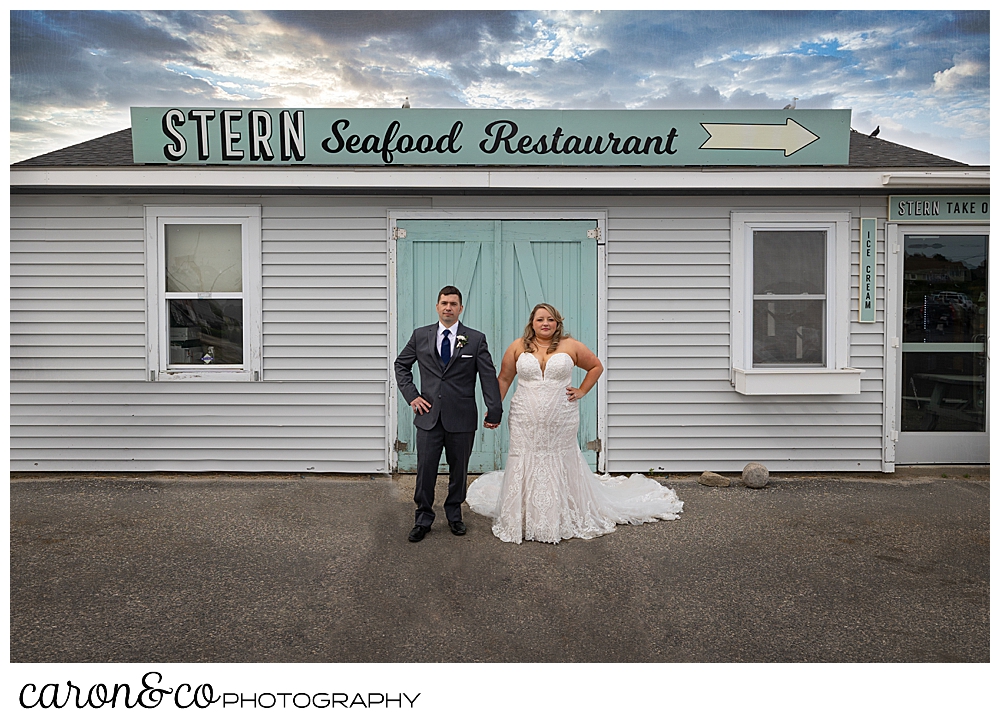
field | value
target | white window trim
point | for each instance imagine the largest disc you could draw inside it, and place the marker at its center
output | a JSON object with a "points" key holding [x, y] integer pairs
{"points": [[157, 344], [836, 377]]}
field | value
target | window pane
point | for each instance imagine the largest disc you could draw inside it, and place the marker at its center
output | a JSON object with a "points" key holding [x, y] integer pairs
{"points": [[206, 331], [944, 392], [789, 262], [204, 257], [789, 332], [944, 289]]}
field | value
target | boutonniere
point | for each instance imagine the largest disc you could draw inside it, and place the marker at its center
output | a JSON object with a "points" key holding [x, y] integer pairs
{"points": [[461, 340]]}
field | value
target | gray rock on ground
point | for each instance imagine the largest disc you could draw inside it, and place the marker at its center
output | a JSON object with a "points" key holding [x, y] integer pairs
{"points": [[755, 476], [711, 479]]}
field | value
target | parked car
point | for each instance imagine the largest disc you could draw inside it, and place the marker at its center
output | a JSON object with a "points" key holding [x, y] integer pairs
{"points": [[956, 300]]}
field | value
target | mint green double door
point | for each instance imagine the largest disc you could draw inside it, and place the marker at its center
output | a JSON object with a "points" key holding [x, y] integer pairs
{"points": [[503, 269]]}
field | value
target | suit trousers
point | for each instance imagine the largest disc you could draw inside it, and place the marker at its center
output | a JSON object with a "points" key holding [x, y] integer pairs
{"points": [[457, 448]]}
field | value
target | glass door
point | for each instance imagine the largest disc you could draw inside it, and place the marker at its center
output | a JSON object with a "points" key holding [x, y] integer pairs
{"points": [[943, 395]]}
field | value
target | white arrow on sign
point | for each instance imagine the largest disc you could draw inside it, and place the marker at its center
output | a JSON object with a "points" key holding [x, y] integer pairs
{"points": [[790, 137]]}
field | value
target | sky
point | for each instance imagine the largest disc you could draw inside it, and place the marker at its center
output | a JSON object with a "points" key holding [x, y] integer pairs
{"points": [[922, 77]]}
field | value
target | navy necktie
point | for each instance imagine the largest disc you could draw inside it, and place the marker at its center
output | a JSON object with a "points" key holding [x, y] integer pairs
{"points": [[445, 348]]}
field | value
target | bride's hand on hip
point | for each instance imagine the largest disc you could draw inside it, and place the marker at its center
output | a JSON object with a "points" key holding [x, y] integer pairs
{"points": [[573, 394]]}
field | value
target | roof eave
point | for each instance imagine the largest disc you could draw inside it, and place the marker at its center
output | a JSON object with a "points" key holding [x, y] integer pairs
{"points": [[175, 178]]}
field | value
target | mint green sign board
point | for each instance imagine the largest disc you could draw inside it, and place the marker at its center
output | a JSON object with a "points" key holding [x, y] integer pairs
{"points": [[939, 208], [429, 137], [867, 271]]}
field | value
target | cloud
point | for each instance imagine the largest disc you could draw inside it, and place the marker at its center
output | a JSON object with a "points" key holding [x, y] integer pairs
{"points": [[441, 35], [76, 73], [966, 72]]}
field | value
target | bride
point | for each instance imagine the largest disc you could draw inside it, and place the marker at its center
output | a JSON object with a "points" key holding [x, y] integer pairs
{"points": [[547, 492]]}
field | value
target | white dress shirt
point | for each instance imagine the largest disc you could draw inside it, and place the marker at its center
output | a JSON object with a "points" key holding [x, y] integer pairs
{"points": [[452, 334]]}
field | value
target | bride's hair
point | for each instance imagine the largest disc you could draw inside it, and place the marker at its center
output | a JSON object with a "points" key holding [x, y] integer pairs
{"points": [[529, 331]]}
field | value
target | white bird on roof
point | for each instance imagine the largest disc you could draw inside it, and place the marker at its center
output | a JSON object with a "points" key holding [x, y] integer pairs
{"points": [[406, 102], [790, 106]]}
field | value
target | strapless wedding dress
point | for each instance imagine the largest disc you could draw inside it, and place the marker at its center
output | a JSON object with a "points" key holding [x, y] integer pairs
{"points": [[547, 492]]}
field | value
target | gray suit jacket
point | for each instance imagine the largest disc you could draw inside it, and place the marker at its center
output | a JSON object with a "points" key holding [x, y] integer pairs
{"points": [[452, 390]]}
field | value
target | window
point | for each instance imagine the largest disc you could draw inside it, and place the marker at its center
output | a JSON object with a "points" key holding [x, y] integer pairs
{"points": [[789, 298], [203, 293], [791, 303]]}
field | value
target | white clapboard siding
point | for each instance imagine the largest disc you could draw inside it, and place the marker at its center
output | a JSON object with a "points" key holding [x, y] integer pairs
{"points": [[77, 289], [671, 406], [79, 399], [80, 402], [198, 426]]}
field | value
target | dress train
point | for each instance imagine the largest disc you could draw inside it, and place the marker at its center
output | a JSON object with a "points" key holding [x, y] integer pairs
{"points": [[547, 492]]}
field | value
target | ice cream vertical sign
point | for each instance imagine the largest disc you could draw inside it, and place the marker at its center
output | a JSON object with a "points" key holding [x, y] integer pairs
{"points": [[867, 269]]}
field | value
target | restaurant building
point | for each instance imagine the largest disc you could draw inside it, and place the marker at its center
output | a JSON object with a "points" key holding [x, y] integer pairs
{"points": [[226, 289]]}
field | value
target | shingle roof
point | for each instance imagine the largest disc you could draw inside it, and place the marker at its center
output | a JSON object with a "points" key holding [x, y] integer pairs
{"points": [[868, 152], [115, 149]]}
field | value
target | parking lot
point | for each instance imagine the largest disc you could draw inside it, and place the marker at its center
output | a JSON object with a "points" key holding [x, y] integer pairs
{"points": [[287, 568]]}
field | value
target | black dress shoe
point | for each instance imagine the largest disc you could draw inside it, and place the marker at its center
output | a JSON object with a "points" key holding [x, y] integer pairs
{"points": [[457, 528], [419, 532]]}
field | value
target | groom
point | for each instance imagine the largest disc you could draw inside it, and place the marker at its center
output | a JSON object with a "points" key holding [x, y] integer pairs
{"points": [[450, 356]]}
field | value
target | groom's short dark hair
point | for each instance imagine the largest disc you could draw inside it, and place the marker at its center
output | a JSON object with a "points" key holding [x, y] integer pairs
{"points": [[450, 291]]}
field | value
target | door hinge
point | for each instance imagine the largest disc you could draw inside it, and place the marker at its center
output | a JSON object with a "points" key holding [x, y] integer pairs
{"points": [[594, 446], [398, 233], [595, 233], [401, 446], [894, 343]]}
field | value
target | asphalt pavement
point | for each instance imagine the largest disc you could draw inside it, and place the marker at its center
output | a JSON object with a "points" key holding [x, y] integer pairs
{"points": [[291, 568]]}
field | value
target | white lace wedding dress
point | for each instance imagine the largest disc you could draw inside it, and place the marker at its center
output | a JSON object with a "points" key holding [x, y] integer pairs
{"points": [[547, 492]]}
